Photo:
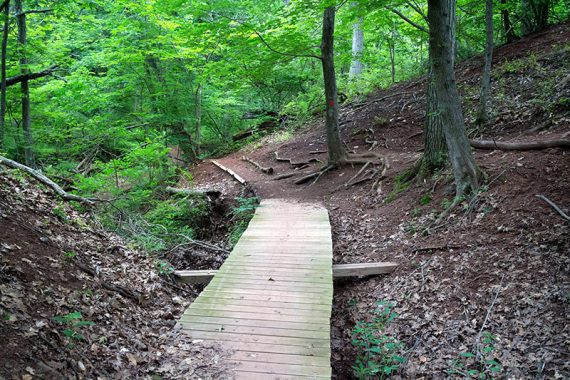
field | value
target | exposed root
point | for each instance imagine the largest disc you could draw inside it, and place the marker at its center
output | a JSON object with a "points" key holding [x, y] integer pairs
{"points": [[263, 169], [293, 163], [555, 207], [443, 215]]}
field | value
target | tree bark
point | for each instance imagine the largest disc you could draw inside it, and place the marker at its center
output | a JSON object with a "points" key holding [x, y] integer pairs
{"points": [[392, 51], [198, 121], [29, 76], [337, 153], [25, 88], [5, 32], [435, 147], [508, 29], [441, 14], [482, 112], [357, 47]]}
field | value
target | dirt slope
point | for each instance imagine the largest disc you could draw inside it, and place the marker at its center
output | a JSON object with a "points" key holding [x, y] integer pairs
{"points": [[76, 302], [497, 268]]}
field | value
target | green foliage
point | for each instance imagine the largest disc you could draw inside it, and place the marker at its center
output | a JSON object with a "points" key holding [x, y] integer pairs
{"points": [[73, 323], [242, 214], [478, 366], [163, 267], [425, 200], [377, 353], [59, 212], [401, 184]]}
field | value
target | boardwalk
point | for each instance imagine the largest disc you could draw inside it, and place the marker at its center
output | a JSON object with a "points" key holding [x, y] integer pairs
{"points": [[270, 303]]}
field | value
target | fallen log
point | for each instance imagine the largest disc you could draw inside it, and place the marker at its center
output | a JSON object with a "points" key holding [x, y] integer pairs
{"points": [[532, 145], [193, 192], [230, 172], [46, 181], [263, 169], [339, 271]]}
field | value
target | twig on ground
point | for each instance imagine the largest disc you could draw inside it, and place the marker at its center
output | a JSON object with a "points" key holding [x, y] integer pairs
{"points": [[268, 170], [477, 340], [554, 206]]}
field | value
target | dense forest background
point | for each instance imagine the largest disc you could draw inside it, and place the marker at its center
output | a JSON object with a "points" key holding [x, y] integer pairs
{"points": [[115, 87]]}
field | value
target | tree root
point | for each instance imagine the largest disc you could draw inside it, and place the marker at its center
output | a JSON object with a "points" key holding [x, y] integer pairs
{"points": [[554, 206], [295, 164], [268, 170], [443, 215]]}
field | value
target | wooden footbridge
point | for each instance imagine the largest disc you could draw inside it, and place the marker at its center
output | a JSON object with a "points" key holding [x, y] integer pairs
{"points": [[270, 302]]}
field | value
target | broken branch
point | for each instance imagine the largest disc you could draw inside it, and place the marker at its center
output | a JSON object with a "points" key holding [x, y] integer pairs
{"points": [[46, 181], [554, 206]]}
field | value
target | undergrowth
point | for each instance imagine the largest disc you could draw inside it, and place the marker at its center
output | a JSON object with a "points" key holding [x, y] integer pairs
{"points": [[377, 353], [242, 214]]}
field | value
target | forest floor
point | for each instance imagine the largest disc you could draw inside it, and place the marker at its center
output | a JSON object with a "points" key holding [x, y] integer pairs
{"points": [[498, 264]]}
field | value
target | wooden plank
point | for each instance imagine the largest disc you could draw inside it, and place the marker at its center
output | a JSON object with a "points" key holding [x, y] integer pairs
{"points": [[270, 348], [364, 269], [264, 283], [225, 321], [263, 357], [268, 294], [215, 305], [281, 369], [265, 339], [292, 298], [312, 320], [254, 330], [338, 270], [255, 302], [245, 375], [230, 172]]}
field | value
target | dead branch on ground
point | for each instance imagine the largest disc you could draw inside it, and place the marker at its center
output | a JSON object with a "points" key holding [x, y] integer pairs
{"points": [[268, 170], [285, 175], [293, 163], [46, 181], [532, 145], [230, 172], [554, 206]]}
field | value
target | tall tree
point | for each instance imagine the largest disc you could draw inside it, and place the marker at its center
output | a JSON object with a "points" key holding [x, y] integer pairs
{"points": [[441, 14], [435, 146], [24, 85], [357, 47], [337, 153], [5, 32], [482, 112], [508, 30]]}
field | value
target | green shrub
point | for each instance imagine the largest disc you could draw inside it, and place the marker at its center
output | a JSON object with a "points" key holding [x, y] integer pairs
{"points": [[377, 354]]}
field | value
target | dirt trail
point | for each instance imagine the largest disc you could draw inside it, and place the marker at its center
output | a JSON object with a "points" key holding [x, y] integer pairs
{"points": [[505, 244]]}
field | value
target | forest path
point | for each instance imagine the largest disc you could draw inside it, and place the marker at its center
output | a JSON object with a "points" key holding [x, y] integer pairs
{"points": [[270, 303]]}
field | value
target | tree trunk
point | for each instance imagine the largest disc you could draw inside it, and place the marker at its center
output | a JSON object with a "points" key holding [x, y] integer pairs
{"points": [[337, 154], [392, 50], [482, 112], [5, 32], [357, 48], [198, 121], [435, 147], [441, 15], [25, 88], [508, 29]]}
